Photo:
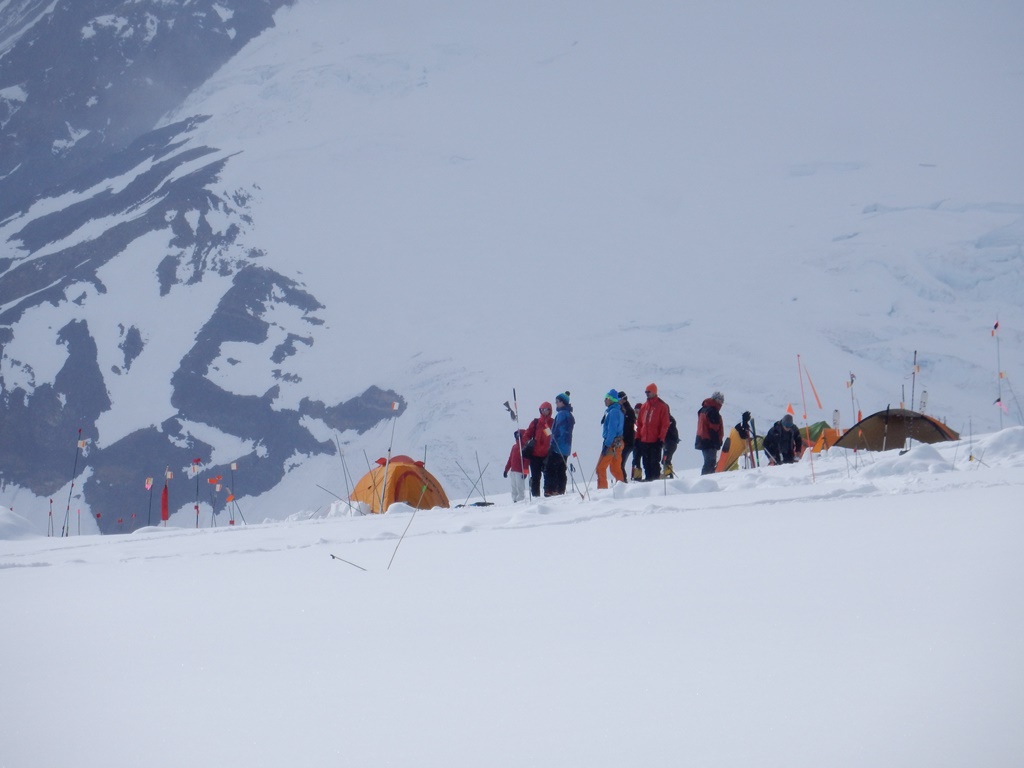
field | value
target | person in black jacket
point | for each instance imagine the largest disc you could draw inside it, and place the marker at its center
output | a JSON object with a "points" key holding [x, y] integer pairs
{"points": [[671, 443], [628, 430], [783, 443]]}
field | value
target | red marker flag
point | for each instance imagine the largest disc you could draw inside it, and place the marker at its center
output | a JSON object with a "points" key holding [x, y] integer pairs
{"points": [[165, 506]]}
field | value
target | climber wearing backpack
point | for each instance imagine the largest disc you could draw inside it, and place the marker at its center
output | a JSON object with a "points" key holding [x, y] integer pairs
{"points": [[710, 431]]}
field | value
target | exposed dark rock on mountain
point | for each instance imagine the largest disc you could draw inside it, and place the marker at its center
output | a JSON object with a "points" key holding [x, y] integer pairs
{"points": [[89, 184]]}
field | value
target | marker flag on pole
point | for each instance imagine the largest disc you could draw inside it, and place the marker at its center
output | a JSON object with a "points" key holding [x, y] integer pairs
{"points": [[165, 505], [790, 411], [394, 406], [149, 483], [813, 390], [1001, 404], [995, 328]]}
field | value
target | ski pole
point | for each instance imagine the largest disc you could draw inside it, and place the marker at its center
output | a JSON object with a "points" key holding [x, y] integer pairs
{"points": [[400, 538], [753, 432], [66, 528], [471, 479], [580, 465], [335, 557], [483, 492]]}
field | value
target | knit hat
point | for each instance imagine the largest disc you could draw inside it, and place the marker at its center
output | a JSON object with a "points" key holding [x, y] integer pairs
{"points": [[787, 420], [612, 395], [622, 395], [563, 396], [718, 396], [652, 388]]}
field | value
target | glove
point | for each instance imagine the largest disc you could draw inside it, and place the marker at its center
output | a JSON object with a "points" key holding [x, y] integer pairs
{"points": [[638, 473], [505, 473], [746, 417]]}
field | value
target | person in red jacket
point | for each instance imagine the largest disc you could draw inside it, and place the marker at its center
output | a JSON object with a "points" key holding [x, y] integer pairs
{"points": [[710, 431], [652, 423], [519, 467], [536, 444]]}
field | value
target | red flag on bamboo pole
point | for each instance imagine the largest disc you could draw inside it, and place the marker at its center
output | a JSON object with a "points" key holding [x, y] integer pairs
{"points": [[165, 506]]}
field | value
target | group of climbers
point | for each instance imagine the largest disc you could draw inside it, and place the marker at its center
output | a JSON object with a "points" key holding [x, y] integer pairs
{"points": [[648, 431], [543, 450]]}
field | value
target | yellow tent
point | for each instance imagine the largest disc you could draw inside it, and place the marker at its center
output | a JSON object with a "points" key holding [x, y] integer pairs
{"points": [[401, 479], [735, 446]]}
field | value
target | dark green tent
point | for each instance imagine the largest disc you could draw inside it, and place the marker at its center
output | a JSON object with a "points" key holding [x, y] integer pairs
{"points": [[891, 428]]}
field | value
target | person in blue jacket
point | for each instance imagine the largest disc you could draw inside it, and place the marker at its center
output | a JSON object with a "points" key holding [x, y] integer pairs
{"points": [[556, 469], [611, 443]]}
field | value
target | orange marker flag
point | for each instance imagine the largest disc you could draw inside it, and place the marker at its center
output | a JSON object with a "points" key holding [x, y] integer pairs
{"points": [[813, 390], [790, 411]]}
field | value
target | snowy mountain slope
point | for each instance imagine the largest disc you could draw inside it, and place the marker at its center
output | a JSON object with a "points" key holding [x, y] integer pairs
{"points": [[547, 198], [871, 617], [128, 283], [81, 80], [546, 213]]}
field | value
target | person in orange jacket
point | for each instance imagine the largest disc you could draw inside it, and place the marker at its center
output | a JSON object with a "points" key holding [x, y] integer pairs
{"points": [[536, 444], [652, 423], [710, 431], [519, 467]]}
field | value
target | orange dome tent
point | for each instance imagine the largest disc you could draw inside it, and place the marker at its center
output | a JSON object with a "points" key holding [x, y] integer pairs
{"points": [[401, 479]]}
